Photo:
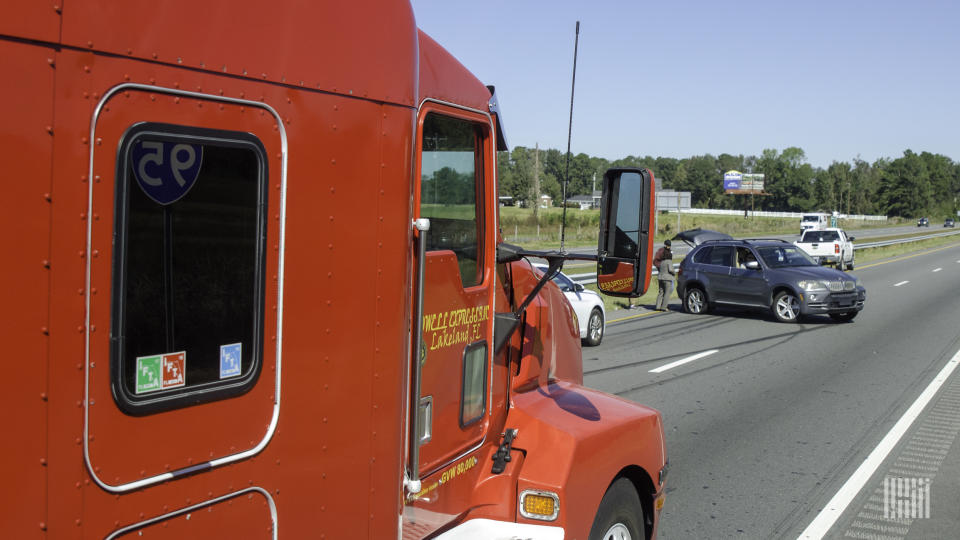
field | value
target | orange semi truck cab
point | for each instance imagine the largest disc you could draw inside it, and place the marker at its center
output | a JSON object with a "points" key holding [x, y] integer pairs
{"points": [[256, 289]]}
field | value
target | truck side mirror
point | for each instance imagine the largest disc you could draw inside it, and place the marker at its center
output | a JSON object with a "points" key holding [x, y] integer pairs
{"points": [[625, 247]]}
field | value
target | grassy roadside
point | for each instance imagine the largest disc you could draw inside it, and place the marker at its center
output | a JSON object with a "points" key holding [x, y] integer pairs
{"points": [[864, 257]]}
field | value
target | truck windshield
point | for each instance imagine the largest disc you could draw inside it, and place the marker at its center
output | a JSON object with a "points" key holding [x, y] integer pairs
{"points": [[780, 257], [811, 218], [820, 236]]}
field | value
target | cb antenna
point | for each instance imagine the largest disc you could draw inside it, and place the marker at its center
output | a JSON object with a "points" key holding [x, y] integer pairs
{"points": [[566, 174]]}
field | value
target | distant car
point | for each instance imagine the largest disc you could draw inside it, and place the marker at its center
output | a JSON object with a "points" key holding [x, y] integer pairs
{"points": [[767, 274], [948, 222], [923, 222], [588, 306]]}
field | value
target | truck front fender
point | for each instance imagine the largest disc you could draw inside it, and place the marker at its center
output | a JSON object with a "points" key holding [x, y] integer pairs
{"points": [[577, 441]]}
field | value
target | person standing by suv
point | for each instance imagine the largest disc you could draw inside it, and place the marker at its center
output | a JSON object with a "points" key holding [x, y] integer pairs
{"points": [[663, 260]]}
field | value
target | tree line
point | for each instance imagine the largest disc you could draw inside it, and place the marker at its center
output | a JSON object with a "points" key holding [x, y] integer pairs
{"points": [[912, 185]]}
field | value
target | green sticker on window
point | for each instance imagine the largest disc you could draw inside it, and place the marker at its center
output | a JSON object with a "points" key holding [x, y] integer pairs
{"points": [[148, 373]]}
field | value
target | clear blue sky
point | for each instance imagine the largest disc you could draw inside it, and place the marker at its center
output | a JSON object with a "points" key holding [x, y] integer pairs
{"points": [[839, 79]]}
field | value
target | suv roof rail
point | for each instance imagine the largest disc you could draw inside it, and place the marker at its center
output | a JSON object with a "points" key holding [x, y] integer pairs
{"points": [[710, 241], [766, 240]]}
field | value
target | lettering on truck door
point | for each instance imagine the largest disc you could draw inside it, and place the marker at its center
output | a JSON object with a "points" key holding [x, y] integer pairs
{"points": [[455, 149]]}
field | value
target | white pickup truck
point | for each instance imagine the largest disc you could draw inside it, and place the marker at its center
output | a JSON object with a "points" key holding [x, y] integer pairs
{"points": [[828, 246]]}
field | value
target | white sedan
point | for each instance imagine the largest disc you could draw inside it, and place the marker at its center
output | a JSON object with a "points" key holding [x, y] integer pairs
{"points": [[588, 306]]}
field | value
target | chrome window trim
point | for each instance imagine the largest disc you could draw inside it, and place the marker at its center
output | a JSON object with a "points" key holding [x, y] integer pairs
{"points": [[271, 429], [175, 513], [552, 495]]}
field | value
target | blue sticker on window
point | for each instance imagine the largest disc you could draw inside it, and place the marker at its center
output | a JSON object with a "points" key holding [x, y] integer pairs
{"points": [[230, 360], [166, 170]]}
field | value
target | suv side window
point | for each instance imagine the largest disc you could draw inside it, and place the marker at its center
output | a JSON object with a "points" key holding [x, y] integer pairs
{"points": [[721, 255], [745, 255], [703, 256]]}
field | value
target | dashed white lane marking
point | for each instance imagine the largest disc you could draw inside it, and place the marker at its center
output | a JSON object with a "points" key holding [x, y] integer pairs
{"points": [[821, 525], [937, 269], [901, 283], [683, 361]]}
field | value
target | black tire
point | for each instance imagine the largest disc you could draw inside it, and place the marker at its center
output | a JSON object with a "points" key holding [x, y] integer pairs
{"points": [[852, 261], [620, 516], [844, 317], [786, 307], [695, 301], [595, 328]]}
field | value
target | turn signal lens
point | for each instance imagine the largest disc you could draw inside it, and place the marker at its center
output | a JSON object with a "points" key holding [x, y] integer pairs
{"points": [[541, 505]]}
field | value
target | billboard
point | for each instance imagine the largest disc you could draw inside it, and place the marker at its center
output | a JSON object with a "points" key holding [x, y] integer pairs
{"points": [[736, 182], [732, 180], [752, 182], [673, 200]]}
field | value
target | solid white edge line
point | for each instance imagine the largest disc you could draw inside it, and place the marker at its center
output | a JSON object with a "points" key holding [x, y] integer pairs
{"points": [[937, 269], [672, 365], [825, 520], [901, 283]]}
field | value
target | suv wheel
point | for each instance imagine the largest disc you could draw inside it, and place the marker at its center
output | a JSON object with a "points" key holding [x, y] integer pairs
{"points": [[786, 307], [695, 301]]}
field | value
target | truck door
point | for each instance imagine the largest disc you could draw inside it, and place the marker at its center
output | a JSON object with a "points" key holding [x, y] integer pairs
{"points": [[453, 189]]}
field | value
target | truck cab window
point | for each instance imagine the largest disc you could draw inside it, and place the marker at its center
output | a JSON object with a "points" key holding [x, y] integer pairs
{"points": [[451, 173], [188, 265]]}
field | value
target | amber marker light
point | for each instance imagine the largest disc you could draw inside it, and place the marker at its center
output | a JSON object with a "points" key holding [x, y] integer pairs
{"points": [[541, 505]]}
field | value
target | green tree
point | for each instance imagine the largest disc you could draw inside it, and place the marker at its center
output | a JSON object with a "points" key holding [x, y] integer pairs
{"points": [[703, 180], [905, 187], [788, 178]]}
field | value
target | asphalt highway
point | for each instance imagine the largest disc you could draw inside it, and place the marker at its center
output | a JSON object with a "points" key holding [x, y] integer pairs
{"points": [[766, 422]]}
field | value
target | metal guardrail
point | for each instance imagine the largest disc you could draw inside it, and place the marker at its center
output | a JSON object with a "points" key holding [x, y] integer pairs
{"points": [[585, 279], [895, 241], [765, 213]]}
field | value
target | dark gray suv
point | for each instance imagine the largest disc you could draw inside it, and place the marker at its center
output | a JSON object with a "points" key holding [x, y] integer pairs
{"points": [[769, 274]]}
